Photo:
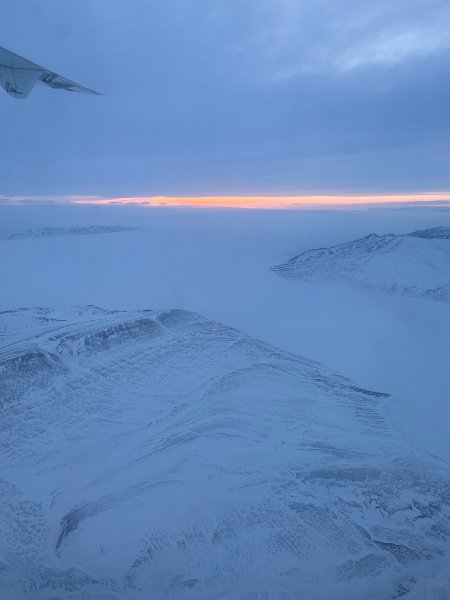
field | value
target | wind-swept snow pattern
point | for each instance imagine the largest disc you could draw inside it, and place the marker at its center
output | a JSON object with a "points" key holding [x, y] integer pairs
{"points": [[416, 264], [45, 232], [158, 454]]}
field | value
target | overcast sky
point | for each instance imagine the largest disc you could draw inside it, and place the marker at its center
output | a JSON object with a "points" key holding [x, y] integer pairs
{"points": [[217, 97]]}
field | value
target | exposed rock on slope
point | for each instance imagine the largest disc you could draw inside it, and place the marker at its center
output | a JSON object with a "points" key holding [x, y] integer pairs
{"points": [[417, 264], [162, 455], [45, 232]]}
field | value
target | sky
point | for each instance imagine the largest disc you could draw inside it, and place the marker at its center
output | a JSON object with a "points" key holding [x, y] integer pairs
{"points": [[230, 98]]}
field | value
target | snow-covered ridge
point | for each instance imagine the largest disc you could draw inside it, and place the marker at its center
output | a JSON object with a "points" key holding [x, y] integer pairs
{"points": [[160, 454], [415, 264], [435, 233], [44, 232]]}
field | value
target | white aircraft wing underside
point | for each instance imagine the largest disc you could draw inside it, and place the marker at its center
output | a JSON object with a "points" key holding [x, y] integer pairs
{"points": [[18, 76]]}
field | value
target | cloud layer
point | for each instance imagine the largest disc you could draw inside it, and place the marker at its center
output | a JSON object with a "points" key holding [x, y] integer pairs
{"points": [[241, 97]]}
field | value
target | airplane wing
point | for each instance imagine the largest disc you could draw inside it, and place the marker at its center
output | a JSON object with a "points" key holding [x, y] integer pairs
{"points": [[18, 76]]}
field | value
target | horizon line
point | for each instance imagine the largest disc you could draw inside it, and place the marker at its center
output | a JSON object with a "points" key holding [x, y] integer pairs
{"points": [[244, 201]]}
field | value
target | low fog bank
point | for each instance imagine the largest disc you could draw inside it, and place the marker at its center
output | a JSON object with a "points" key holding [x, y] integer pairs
{"points": [[217, 262]]}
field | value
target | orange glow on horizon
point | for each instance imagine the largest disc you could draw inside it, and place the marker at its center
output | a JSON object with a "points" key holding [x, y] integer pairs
{"points": [[262, 202], [267, 201]]}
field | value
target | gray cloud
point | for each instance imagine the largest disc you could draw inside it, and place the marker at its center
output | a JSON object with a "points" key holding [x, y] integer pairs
{"points": [[230, 96], [341, 35]]}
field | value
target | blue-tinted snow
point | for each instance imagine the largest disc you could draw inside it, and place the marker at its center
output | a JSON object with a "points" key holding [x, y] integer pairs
{"points": [[138, 420]]}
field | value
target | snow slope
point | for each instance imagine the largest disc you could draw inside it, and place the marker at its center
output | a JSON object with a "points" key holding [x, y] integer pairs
{"points": [[159, 454], [217, 263], [417, 264]]}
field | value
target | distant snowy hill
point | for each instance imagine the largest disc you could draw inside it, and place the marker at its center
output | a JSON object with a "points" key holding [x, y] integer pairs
{"points": [[151, 455], [417, 264], [43, 232]]}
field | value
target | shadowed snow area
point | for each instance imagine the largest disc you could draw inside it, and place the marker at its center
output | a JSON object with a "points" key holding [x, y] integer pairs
{"points": [[160, 454], [417, 264]]}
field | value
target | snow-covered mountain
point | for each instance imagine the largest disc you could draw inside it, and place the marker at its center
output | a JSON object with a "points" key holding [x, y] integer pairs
{"points": [[416, 264], [45, 232], [158, 454]]}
